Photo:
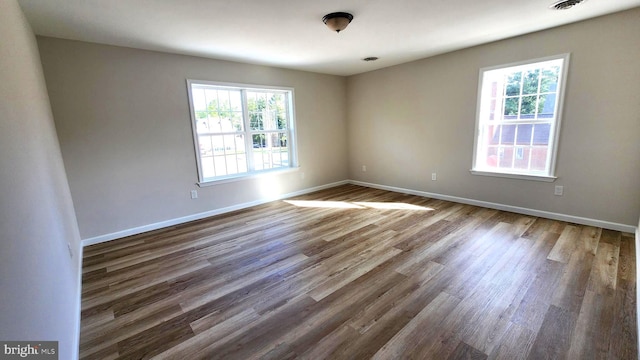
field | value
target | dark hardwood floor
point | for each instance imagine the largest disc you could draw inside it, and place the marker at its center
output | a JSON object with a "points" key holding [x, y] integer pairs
{"points": [[358, 273]]}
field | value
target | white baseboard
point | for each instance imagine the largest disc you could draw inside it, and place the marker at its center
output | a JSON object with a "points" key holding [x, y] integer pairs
{"points": [[515, 209], [162, 224]]}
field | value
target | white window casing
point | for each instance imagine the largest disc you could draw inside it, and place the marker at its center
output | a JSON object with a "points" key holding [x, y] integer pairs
{"points": [[241, 131], [518, 118]]}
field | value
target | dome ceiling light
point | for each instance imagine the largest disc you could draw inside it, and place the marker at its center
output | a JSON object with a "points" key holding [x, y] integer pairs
{"points": [[337, 21], [565, 4]]}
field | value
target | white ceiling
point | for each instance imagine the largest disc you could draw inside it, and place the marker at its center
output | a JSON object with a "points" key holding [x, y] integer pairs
{"points": [[290, 33]]}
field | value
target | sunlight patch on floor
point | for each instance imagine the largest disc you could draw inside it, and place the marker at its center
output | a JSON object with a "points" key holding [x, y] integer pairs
{"points": [[357, 205], [324, 204], [393, 206]]}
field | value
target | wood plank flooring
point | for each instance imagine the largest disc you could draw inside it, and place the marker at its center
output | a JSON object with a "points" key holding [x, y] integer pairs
{"points": [[358, 273]]}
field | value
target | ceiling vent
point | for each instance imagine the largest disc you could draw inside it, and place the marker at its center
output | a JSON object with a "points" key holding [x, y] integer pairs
{"points": [[565, 4]]}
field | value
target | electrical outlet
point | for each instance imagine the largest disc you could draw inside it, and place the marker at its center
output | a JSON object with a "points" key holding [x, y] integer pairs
{"points": [[364, 168], [302, 175], [559, 190], [434, 177], [194, 194]]}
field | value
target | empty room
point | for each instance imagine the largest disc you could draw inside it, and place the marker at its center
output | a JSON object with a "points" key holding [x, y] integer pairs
{"points": [[319, 179]]}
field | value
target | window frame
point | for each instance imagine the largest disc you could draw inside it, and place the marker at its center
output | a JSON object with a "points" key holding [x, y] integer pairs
{"points": [[555, 126], [247, 131]]}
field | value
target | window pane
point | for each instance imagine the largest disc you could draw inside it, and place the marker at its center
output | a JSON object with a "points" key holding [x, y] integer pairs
{"points": [[549, 82], [224, 110], [235, 154], [539, 158], [220, 165], [202, 125], [208, 170], [524, 134], [282, 148], [508, 134], [528, 107], [242, 162], [511, 108], [513, 84], [522, 155], [259, 141], [547, 106], [260, 159], [232, 164], [282, 120], [541, 134], [239, 146], [530, 84], [199, 101], [210, 95], [229, 144], [256, 120], [236, 121], [270, 151], [493, 135], [492, 109], [283, 140], [256, 103], [206, 148], [267, 110], [491, 159], [218, 145], [505, 157], [270, 118], [235, 100], [281, 111]]}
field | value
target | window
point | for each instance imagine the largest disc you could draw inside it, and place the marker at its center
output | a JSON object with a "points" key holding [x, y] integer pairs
{"points": [[518, 118], [240, 130]]}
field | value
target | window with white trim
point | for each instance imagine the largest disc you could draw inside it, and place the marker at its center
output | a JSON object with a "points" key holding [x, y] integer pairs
{"points": [[518, 118], [240, 130]]}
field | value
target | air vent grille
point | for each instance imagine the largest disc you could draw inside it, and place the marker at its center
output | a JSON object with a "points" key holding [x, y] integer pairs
{"points": [[565, 4]]}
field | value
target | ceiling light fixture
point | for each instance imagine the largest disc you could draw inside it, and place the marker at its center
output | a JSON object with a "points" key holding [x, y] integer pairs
{"points": [[564, 4], [337, 21]]}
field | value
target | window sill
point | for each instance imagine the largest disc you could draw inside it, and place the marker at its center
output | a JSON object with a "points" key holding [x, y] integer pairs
{"points": [[247, 176], [543, 178]]}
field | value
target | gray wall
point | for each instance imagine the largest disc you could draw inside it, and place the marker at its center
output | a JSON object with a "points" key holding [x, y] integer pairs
{"points": [[413, 119], [123, 122], [39, 281]]}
